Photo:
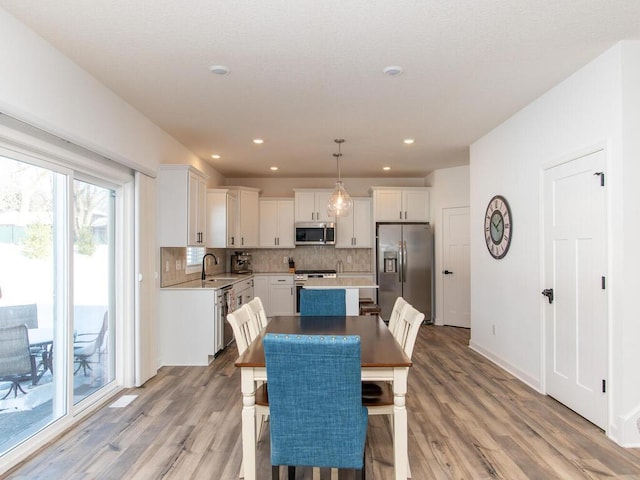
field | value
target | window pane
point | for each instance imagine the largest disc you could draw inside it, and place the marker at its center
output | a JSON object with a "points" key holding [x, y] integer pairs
{"points": [[32, 227], [93, 262]]}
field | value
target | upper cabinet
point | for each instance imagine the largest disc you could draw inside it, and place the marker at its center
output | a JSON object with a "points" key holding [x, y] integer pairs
{"points": [[311, 205], [181, 206], [355, 230], [233, 216], [400, 204], [276, 223]]}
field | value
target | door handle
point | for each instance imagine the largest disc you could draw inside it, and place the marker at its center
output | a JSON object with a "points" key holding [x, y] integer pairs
{"points": [[447, 272], [548, 292]]}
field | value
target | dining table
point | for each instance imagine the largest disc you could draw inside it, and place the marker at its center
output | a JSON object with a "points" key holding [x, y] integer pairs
{"points": [[381, 356]]}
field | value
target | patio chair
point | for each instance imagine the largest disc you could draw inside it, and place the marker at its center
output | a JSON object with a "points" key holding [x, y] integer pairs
{"points": [[15, 358], [317, 417], [86, 345], [322, 302]]}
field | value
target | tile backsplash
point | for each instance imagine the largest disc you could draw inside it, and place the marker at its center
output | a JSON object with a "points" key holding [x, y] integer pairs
{"points": [[267, 261]]}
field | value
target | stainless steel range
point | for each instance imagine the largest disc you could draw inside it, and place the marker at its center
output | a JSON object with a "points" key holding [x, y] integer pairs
{"points": [[303, 275]]}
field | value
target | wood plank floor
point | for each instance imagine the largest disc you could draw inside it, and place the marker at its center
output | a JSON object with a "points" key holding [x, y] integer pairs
{"points": [[468, 419]]}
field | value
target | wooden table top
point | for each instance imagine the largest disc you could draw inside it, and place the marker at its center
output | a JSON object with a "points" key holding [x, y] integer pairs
{"points": [[378, 347]]}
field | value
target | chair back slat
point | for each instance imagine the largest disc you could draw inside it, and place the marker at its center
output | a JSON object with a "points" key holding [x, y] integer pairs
{"points": [[315, 400], [408, 324], [395, 313], [244, 327], [258, 312], [322, 302]]}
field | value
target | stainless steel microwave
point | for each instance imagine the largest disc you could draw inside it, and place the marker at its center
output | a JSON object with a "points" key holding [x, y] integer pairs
{"points": [[315, 233]]}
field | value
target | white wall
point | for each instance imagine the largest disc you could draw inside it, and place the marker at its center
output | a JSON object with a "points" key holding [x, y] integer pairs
{"points": [[40, 86], [583, 111], [449, 188]]}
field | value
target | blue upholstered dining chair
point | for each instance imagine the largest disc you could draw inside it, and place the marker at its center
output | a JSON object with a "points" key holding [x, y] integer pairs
{"points": [[317, 417], [322, 302]]}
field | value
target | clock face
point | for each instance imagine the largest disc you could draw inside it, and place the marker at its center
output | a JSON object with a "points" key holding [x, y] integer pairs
{"points": [[497, 227]]}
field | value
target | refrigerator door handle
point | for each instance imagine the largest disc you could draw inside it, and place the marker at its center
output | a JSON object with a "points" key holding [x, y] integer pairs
{"points": [[400, 263], [404, 261]]}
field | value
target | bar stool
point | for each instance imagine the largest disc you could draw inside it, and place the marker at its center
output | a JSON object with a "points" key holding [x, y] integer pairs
{"points": [[370, 309]]}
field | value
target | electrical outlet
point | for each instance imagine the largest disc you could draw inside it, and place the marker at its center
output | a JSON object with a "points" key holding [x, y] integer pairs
{"points": [[178, 265], [166, 266], [348, 258], [285, 260], [493, 329]]}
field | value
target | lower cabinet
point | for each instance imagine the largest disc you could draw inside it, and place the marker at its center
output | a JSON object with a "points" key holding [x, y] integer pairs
{"points": [[187, 320], [277, 293]]}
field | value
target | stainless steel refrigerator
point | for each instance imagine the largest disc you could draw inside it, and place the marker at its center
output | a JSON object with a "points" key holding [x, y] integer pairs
{"points": [[404, 266]]}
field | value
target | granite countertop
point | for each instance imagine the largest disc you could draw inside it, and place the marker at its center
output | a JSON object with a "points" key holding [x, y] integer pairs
{"points": [[220, 280], [340, 282]]}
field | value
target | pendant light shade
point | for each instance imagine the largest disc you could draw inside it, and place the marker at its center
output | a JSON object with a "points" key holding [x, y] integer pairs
{"points": [[340, 202]]}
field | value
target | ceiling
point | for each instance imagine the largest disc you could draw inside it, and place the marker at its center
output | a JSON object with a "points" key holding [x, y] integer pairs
{"points": [[305, 72]]}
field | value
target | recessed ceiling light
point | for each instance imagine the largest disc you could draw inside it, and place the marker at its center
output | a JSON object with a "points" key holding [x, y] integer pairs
{"points": [[258, 141], [392, 70], [386, 168], [215, 155], [219, 70], [408, 141], [273, 168]]}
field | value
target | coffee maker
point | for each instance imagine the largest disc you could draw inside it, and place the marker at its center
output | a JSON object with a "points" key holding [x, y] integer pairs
{"points": [[241, 263]]}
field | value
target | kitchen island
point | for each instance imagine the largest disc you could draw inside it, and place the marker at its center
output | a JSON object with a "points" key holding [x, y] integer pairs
{"points": [[351, 285]]}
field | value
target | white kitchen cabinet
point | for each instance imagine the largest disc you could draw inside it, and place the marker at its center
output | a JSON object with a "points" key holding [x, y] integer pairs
{"points": [[181, 206], [233, 216], [311, 205], [276, 223], [400, 204], [281, 295], [188, 333], [261, 290], [248, 217], [277, 293], [354, 230], [243, 292]]}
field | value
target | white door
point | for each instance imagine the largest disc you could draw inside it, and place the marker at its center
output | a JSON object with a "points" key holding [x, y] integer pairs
{"points": [[455, 262], [576, 357]]}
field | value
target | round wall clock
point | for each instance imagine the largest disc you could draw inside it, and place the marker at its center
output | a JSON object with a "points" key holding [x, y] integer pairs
{"points": [[497, 227]]}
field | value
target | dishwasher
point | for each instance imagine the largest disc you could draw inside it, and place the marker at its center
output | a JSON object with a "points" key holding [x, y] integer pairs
{"points": [[224, 304]]}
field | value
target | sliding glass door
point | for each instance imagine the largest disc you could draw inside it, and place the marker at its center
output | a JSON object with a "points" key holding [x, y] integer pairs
{"points": [[57, 293], [93, 288], [31, 254]]}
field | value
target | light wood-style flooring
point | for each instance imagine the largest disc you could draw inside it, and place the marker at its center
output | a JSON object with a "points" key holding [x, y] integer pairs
{"points": [[468, 419]]}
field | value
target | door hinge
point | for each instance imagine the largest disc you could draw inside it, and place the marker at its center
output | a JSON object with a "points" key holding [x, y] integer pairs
{"points": [[604, 283], [601, 175], [604, 386]]}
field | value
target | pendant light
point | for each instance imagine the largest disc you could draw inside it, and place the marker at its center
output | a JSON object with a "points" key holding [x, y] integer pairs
{"points": [[340, 201]]}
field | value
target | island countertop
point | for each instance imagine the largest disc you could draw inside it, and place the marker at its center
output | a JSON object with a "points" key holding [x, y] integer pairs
{"points": [[340, 282]]}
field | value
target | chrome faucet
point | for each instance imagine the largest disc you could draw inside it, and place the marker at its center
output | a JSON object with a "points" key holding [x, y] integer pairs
{"points": [[204, 258]]}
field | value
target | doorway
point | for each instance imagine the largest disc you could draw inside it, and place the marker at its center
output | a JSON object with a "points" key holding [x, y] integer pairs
{"points": [[575, 280], [456, 303]]}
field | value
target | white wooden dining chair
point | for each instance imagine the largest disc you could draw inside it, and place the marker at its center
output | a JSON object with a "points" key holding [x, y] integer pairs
{"points": [[258, 312], [245, 329], [378, 396], [395, 313]]}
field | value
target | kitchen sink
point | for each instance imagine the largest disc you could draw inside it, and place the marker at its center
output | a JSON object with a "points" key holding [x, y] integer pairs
{"points": [[225, 280]]}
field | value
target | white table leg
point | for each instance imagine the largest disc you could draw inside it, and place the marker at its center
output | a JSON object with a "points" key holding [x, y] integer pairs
{"points": [[248, 424], [400, 429]]}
